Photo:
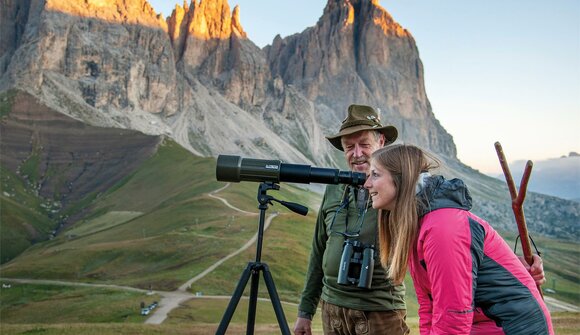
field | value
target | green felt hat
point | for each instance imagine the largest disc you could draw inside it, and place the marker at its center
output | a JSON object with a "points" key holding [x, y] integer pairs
{"points": [[361, 118]]}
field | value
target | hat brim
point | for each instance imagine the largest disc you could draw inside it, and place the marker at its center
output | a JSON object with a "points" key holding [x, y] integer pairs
{"points": [[390, 133]]}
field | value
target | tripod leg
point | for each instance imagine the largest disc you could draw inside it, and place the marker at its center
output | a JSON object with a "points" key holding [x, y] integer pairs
{"points": [[275, 300], [253, 299], [229, 313]]}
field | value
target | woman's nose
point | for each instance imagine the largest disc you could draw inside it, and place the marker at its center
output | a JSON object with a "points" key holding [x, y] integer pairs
{"points": [[367, 184]]}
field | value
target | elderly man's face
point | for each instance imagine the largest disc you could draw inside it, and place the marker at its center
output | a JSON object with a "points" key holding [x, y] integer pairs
{"points": [[358, 148]]}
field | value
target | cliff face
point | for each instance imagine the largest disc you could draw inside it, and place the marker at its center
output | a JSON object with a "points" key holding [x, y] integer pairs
{"points": [[197, 78], [13, 21], [358, 53], [211, 44], [103, 56], [98, 72]]}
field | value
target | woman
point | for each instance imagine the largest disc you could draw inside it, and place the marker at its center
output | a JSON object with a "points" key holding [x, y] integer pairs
{"points": [[467, 279]]}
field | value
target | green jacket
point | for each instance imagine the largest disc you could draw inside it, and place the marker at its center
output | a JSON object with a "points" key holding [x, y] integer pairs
{"points": [[325, 256]]}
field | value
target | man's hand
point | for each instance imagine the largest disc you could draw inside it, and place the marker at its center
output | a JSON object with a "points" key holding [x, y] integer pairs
{"points": [[302, 327], [536, 269]]}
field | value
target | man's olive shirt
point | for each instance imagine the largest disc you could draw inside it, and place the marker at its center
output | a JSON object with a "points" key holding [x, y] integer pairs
{"points": [[326, 253]]}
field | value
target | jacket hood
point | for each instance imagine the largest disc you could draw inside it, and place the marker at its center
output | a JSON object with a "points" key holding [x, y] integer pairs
{"points": [[439, 192]]}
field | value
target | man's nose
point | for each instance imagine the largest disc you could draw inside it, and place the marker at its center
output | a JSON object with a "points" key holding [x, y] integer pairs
{"points": [[358, 152]]}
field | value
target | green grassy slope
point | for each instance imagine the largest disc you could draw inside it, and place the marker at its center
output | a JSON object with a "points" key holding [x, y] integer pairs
{"points": [[561, 263], [40, 304], [158, 228], [24, 216], [142, 231], [53, 167]]}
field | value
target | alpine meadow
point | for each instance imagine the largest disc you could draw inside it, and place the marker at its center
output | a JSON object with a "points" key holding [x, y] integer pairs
{"points": [[111, 120]]}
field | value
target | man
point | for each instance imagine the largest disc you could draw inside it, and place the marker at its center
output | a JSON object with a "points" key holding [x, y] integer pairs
{"points": [[354, 306]]}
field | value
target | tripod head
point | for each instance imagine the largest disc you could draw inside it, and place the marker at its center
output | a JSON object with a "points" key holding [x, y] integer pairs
{"points": [[265, 199]]}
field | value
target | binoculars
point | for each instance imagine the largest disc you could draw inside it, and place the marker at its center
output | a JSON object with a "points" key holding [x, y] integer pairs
{"points": [[356, 264]]}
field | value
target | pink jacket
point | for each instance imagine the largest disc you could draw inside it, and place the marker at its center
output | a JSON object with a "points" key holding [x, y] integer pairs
{"points": [[467, 279]]}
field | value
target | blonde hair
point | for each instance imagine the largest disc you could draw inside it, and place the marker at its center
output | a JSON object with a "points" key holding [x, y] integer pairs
{"points": [[398, 228]]}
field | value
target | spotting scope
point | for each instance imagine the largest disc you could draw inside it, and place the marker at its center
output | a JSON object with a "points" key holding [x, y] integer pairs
{"points": [[236, 169]]}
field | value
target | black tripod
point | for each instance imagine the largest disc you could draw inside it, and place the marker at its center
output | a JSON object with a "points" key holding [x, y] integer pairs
{"points": [[253, 269]]}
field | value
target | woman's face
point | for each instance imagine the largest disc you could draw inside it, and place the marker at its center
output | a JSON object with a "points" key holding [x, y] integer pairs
{"points": [[381, 187]]}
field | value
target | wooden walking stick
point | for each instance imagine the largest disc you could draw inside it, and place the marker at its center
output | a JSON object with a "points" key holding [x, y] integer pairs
{"points": [[517, 203]]}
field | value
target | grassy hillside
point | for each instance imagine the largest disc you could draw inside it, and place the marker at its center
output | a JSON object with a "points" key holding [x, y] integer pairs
{"points": [[561, 259], [25, 217], [148, 223], [40, 304], [157, 228], [53, 167]]}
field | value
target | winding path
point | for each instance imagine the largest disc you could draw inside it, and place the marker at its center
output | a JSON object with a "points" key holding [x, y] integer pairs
{"points": [[171, 300], [555, 305], [212, 194]]}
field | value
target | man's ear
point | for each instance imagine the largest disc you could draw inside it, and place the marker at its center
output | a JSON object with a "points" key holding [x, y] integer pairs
{"points": [[382, 140]]}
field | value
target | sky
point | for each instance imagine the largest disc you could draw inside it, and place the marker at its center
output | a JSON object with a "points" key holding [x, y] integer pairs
{"points": [[495, 70]]}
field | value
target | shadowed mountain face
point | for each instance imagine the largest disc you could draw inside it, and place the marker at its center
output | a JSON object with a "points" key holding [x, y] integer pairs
{"points": [[62, 164], [38, 143]]}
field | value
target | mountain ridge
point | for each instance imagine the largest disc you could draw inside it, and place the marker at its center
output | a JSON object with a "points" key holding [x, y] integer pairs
{"points": [[558, 177], [120, 74], [223, 94]]}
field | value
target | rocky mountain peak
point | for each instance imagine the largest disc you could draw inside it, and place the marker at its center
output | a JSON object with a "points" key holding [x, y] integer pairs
{"points": [[356, 52], [177, 24], [351, 12], [236, 24], [210, 19], [210, 42], [108, 63], [203, 21], [206, 20], [138, 12]]}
